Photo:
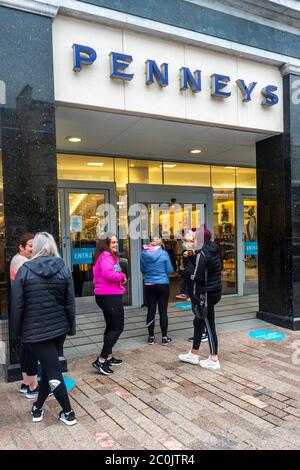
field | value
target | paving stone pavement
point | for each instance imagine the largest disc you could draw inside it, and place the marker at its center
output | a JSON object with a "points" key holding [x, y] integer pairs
{"points": [[154, 401]]}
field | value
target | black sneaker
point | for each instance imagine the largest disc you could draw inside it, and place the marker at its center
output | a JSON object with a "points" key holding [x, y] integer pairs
{"points": [[102, 367], [191, 339], [32, 394], [151, 340], [37, 414], [68, 418], [166, 341], [114, 361], [24, 388]]}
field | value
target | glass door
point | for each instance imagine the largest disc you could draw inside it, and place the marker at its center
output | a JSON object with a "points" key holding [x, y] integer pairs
{"points": [[250, 245], [171, 222], [246, 217], [82, 221]]}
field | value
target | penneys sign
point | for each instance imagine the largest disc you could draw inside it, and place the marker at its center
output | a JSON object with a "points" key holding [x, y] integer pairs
{"points": [[119, 63]]}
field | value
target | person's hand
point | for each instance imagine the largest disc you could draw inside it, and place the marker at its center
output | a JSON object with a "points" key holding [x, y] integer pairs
{"points": [[124, 280], [185, 254], [190, 253]]}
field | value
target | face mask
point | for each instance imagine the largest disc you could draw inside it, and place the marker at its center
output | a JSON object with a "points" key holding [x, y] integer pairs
{"points": [[187, 245]]}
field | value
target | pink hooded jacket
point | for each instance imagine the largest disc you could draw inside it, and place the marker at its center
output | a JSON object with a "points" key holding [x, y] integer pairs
{"points": [[108, 275]]}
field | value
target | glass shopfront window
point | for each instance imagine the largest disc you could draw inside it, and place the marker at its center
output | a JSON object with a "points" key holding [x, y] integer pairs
{"points": [[186, 174], [246, 178], [123, 171], [85, 168], [225, 237], [223, 177], [145, 172]]}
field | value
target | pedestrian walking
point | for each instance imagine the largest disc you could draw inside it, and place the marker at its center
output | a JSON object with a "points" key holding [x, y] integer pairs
{"points": [[28, 364], [207, 282], [109, 283], [156, 266], [43, 313]]}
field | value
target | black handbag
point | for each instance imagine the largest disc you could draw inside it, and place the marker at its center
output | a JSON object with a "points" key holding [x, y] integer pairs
{"points": [[199, 303]]}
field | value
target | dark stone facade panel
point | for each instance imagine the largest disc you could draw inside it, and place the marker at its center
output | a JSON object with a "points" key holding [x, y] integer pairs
{"points": [[205, 20]]}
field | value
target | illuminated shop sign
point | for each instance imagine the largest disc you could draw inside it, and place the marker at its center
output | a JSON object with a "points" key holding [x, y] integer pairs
{"points": [[119, 63]]}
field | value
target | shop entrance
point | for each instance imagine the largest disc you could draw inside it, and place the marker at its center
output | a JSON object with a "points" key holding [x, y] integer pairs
{"points": [[247, 241], [81, 220], [170, 211]]}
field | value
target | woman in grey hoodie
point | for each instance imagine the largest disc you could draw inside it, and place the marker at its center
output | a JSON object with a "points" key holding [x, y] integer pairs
{"points": [[156, 267]]}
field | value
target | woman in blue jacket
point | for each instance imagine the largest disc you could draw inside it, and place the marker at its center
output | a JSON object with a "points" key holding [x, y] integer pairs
{"points": [[156, 267]]}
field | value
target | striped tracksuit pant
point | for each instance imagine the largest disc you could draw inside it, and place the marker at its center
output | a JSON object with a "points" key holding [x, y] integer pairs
{"points": [[209, 322]]}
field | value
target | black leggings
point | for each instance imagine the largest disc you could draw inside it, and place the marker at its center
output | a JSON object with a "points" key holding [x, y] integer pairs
{"points": [[113, 311], [157, 294], [47, 352], [209, 322]]}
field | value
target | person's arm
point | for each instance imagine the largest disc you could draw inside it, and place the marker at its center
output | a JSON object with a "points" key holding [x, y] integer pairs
{"points": [[70, 302], [199, 273], [142, 265], [17, 304], [108, 271], [169, 265]]}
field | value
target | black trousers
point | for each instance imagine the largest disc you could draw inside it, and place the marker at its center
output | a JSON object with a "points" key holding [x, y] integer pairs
{"points": [[209, 323], [157, 294], [47, 352], [113, 311]]}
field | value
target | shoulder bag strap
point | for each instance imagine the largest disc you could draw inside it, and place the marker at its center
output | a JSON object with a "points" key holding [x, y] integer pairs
{"points": [[193, 275]]}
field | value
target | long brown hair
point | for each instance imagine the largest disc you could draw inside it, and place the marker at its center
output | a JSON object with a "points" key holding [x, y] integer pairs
{"points": [[103, 245]]}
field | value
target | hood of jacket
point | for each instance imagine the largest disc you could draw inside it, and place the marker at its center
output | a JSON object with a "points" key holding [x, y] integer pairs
{"points": [[45, 266], [152, 256], [210, 248]]}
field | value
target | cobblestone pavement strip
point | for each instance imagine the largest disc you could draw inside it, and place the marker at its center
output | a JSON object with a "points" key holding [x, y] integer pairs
{"points": [[154, 401]]}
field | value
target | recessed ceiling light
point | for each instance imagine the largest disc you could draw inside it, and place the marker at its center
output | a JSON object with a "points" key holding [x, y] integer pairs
{"points": [[94, 164], [168, 165], [195, 151], [132, 165], [73, 139], [230, 167]]}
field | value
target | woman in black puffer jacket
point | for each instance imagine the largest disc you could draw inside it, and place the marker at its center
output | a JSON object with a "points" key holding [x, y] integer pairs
{"points": [[42, 313], [206, 281]]}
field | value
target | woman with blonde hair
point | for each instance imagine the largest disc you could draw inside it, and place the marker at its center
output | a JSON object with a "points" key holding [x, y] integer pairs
{"points": [[43, 313], [156, 267]]}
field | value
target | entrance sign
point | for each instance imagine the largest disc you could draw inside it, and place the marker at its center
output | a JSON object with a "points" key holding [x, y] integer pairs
{"points": [[266, 335], [82, 255], [251, 248]]}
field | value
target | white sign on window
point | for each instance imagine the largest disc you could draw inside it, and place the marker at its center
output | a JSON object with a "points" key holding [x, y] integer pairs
{"points": [[76, 223]]}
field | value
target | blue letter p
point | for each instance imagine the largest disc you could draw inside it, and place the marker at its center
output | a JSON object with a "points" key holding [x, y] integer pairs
{"points": [[83, 55]]}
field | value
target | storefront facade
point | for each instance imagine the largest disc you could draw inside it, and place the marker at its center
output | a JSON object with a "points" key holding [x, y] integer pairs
{"points": [[164, 114]]}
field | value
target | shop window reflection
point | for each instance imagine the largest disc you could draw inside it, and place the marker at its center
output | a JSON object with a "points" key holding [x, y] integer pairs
{"points": [[225, 237]]}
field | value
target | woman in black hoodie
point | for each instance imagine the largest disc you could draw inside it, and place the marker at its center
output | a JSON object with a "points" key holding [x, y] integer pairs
{"points": [[42, 313]]}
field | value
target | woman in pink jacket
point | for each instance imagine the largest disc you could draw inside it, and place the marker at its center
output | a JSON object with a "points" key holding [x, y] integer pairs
{"points": [[109, 283]]}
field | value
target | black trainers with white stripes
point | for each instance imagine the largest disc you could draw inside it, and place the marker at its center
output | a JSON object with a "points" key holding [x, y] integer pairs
{"points": [[37, 414], [102, 367], [67, 418]]}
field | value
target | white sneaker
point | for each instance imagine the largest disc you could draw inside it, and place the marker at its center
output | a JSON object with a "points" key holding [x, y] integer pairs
{"points": [[210, 364], [189, 357]]}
